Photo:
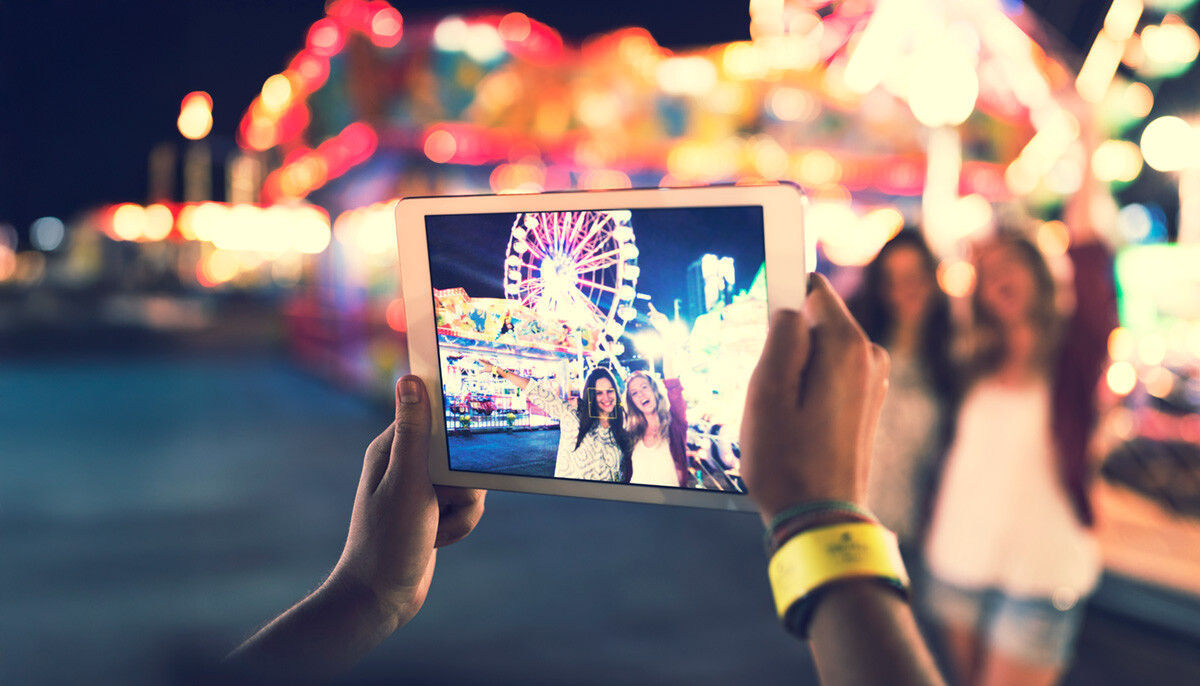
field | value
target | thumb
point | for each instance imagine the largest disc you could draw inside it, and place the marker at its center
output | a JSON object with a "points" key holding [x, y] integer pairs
{"points": [[409, 462]]}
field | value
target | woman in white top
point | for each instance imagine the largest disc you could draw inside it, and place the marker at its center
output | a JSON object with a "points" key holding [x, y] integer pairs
{"points": [[1010, 551], [592, 442], [657, 425]]}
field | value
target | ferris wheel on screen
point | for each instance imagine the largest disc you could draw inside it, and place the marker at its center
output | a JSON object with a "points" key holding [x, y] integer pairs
{"points": [[579, 267]]}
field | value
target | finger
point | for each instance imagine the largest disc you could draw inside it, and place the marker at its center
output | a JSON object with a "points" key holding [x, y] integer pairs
{"points": [[841, 352], [459, 511], [375, 462], [824, 307], [877, 390], [784, 356], [409, 465]]}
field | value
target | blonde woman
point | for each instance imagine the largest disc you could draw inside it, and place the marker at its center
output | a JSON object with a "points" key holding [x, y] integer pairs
{"points": [[656, 422]]}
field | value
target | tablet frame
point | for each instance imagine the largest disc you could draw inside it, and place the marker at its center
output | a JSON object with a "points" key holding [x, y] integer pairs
{"points": [[783, 208]]}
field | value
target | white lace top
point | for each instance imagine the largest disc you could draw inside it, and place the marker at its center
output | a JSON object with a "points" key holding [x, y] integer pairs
{"points": [[598, 457]]}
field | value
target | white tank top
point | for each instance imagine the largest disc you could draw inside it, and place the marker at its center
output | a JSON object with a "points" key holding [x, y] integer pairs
{"points": [[1002, 518], [654, 466]]}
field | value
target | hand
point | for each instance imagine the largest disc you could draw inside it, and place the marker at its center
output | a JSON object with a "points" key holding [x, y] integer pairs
{"points": [[658, 320], [811, 407], [399, 515]]}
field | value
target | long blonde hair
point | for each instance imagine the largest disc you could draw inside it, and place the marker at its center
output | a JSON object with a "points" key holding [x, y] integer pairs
{"points": [[635, 420]]}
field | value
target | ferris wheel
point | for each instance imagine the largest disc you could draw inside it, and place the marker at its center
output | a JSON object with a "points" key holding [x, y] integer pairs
{"points": [[577, 267]]}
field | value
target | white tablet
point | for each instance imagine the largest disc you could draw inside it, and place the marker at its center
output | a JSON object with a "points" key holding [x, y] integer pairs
{"points": [[596, 344]]}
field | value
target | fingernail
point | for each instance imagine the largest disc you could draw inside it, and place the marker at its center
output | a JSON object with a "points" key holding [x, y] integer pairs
{"points": [[410, 391]]}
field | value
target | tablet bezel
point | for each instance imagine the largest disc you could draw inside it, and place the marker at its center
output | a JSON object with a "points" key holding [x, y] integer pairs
{"points": [[784, 247]]}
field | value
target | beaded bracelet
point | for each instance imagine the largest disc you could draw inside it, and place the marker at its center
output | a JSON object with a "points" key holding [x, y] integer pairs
{"points": [[819, 507]]}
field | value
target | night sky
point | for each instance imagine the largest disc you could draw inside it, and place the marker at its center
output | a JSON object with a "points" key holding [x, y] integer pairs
{"points": [[468, 251], [88, 88]]}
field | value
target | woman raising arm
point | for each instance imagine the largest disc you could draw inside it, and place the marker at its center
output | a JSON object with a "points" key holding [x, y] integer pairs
{"points": [[592, 443]]}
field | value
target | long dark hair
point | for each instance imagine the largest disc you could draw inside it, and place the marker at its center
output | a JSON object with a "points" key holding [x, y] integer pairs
{"points": [[588, 412], [874, 315]]}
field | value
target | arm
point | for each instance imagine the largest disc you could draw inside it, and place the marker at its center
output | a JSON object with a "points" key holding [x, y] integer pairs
{"points": [[807, 432], [677, 434], [383, 575], [511, 377]]}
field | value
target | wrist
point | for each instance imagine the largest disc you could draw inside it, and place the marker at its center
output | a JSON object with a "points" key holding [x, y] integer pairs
{"points": [[390, 610], [808, 564]]}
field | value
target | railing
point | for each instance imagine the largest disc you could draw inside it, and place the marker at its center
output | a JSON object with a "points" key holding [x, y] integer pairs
{"points": [[499, 420]]}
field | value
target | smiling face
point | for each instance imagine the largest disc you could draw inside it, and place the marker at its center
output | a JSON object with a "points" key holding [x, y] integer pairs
{"points": [[642, 396], [606, 396], [907, 285], [1007, 285]]}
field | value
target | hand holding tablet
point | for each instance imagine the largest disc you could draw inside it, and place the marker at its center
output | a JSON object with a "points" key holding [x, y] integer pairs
{"points": [[578, 302]]}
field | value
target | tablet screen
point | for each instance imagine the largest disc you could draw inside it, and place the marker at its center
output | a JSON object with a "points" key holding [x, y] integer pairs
{"points": [[601, 345]]}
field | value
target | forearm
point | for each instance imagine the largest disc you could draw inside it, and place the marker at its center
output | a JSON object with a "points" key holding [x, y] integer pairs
{"points": [[319, 637], [513, 378], [863, 633]]}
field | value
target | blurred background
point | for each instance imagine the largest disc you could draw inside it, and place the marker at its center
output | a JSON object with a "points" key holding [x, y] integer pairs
{"points": [[200, 323]]}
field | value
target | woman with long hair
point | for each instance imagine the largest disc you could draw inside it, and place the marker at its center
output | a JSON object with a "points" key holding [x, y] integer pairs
{"points": [[592, 442], [900, 307], [656, 422], [1010, 552]]}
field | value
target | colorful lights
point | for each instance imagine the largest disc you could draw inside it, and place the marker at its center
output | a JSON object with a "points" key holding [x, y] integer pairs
{"points": [[326, 38], [1170, 144], [195, 115], [1102, 60], [1117, 160], [1121, 378], [956, 278], [1053, 238], [271, 231]]}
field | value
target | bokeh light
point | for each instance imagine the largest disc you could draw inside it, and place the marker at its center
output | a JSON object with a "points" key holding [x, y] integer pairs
{"points": [[47, 233], [1169, 144], [195, 115], [1121, 378]]}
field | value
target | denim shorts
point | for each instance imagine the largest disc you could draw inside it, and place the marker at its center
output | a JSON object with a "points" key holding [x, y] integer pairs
{"points": [[1035, 630]]}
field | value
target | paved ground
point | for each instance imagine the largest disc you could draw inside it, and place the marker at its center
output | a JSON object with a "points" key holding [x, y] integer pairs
{"points": [[154, 511], [526, 453]]}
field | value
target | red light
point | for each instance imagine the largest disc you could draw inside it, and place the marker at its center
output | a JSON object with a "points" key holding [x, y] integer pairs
{"points": [[440, 145], [395, 315], [312, 71], [326, 38], [386, 26], [360, 141], [514, 27]]}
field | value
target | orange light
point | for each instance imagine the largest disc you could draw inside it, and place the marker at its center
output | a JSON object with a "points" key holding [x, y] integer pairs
{"points": [[957, 278], [195, 115], [514, 27], [1121, 378], [1139, 99], [386, 27], [128, 221], [8, 263], [326, 38], [440, 146], [157, 223], [217, 268], [1053, 238], [604, 179], [277, 93], [395, 315]]}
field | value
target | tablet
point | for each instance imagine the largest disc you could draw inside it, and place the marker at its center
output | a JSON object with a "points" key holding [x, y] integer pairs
{"points": [[596, 343]]}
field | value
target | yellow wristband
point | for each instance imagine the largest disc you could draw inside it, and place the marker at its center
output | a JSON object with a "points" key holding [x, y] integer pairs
{"points": [[817, 557]]}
